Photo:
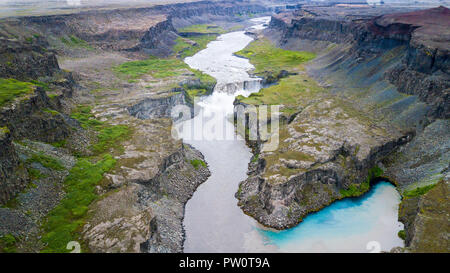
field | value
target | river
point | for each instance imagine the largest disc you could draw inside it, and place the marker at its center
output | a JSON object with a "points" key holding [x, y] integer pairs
{"points": [[214, 223]]}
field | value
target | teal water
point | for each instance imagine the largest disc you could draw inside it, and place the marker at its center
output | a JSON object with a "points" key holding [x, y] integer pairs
{"points": [[350, 225]]}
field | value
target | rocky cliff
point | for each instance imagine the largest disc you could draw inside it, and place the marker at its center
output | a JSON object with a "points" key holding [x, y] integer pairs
{"points": [[423, 36], [19, 59], [13, 176], [37, 112], [391, 67]]}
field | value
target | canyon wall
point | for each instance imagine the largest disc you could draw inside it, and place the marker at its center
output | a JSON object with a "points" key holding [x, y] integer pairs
{"points": [[391, 67], [148, 29], [420, 39]]}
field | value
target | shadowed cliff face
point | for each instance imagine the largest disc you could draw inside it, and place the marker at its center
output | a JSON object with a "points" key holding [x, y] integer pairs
{"points": [[13, 177]]}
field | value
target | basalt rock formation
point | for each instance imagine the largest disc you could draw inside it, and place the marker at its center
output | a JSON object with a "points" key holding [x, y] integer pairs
{"points": [[36, 115]]}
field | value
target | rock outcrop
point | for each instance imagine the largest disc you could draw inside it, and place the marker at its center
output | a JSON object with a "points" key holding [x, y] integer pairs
{"points": [[426, 220], [13, 175], [19, 59], [33, 115], [158, 107], [29, 118]]}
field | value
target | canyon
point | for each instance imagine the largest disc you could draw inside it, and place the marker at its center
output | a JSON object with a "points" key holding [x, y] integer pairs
{"points": [[372, 67], [88, 152]]}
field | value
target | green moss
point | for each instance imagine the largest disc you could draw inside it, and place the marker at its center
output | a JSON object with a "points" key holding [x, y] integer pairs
{"points": [[268, 58], [11, 89], [46, 161], [51, 111], [73, 41], [255, 158], [12, 203], [197, 163], [418, 191], [185, 49], [402, 234], [86, 118], [109, 136], [35, 174], [8, 243], [205, 28], [157, 68], [357, 190], [60, 143], [43, 85], [65, 221], [4, 130]]}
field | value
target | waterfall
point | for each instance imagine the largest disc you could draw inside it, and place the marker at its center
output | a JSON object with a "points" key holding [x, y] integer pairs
{"points": [[251, 85]]}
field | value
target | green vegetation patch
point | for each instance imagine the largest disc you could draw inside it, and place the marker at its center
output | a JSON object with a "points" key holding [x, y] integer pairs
{"points": [[197, 163], [267, 57], [291, 92], [65, 221], [108, 135], [11, 88], [44, 85], [402, 234], [185, 49], [192, 93], [59, 144], [73, 41], [357, 190], [204, 28], [51, 111], [157, 68], [46, 161], [418, 191], [86, 118], [35, 174], [4, 130], [8, 243]]}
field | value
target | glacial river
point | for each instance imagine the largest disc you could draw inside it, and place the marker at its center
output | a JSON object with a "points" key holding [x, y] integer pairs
{"points": [[214, 223]]}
